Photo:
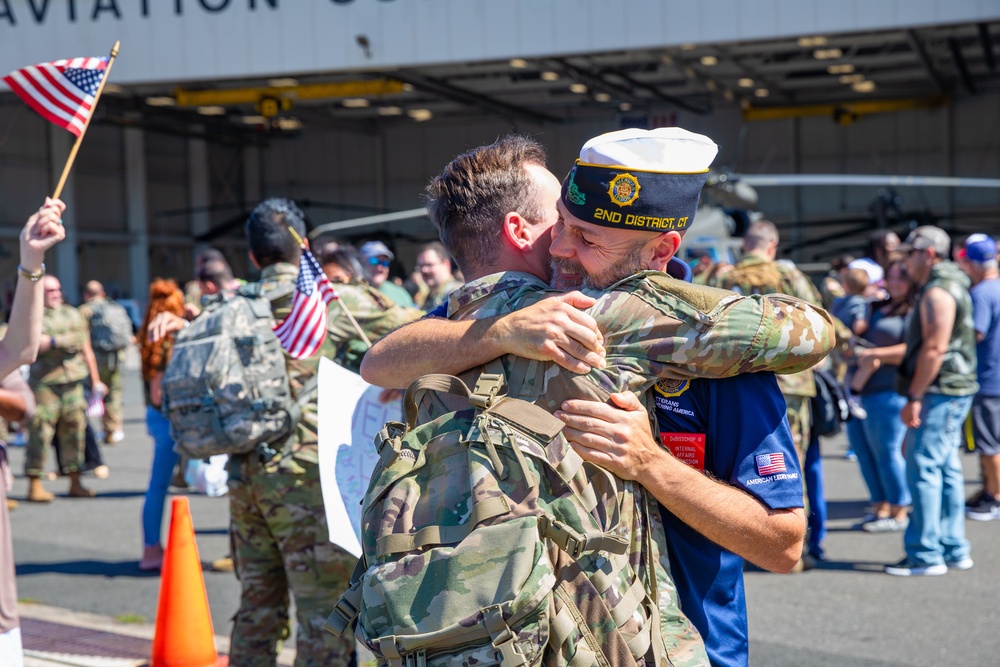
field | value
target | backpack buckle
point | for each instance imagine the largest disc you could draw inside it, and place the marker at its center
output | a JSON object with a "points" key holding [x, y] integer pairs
{"points": [[487, 387]]}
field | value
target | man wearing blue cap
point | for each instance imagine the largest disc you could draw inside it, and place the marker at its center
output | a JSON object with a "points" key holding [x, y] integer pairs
{"points": [[979, 261], [377, 259]]}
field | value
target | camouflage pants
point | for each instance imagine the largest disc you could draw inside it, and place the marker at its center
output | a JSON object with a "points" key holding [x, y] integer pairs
{"points": [[280, 545], [60, 411], [800, 423], [109, 366]]}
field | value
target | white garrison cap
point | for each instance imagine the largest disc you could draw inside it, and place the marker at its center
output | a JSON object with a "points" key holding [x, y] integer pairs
{"points": [[665, 149]]}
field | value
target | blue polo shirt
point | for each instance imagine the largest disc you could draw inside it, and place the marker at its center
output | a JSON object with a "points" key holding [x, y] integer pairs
{"points": [[736, 430]]}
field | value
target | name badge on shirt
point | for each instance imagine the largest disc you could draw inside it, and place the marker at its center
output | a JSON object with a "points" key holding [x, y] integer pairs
{"points": [[688, 447]]}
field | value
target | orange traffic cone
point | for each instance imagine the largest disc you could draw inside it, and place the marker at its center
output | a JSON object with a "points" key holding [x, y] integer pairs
{"points": [[184, 636]]}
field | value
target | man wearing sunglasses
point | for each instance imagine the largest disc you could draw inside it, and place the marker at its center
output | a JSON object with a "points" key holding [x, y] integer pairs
{"points": [[376, 258]]}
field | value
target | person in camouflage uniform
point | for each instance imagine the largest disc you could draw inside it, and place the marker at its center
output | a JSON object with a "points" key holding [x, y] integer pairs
{"points": [[65, 360], [279, 534], [686, 332], [758, 273], [109, 365]]}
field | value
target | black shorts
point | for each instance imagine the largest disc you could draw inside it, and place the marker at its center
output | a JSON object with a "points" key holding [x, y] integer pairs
{"points": [[985, 421]]}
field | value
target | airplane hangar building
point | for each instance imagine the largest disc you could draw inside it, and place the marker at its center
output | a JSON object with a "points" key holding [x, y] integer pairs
{"points": [[351, 106]]}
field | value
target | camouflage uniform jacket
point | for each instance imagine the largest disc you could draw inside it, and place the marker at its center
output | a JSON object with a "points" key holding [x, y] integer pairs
{"points": [[64, 363], [440, 295], [756, 275], [374, 319], [375, 313], [657, 327]]}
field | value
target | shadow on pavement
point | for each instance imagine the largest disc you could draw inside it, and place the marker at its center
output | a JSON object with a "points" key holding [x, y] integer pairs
{"points": [[122, 568]]}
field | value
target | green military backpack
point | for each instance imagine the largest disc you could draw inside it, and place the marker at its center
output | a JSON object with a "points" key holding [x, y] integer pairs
{"points": [[488, 541], [110, 327], [225, 388]]}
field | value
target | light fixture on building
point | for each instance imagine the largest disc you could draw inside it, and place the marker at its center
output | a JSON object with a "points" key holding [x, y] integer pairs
{"points": [[687, 47], [420, 115], [709, 61], [728, 95], [518, 63], [666, 59], [407, 87], [711, 85], [161, 101], [113, 89], [809, 42], [284, 82], [845, 68], [827, 54], [863, 86], [625, 106], [851, 78], [390, 111], [761, 92], [578, 88], [254, 120], [288, 124], [745, 82], [602, 97], [355, 103], [212, 110], [550, 76]]}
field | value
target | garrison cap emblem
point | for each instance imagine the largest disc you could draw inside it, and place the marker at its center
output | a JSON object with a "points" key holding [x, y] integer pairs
{"points": [[624, 189]]}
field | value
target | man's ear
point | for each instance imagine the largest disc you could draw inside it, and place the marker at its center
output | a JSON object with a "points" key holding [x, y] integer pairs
{"points": [[517, 232], [663, 248]]}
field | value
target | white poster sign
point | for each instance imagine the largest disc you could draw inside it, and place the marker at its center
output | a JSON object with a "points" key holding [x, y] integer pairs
{"points": [[350, 415]]}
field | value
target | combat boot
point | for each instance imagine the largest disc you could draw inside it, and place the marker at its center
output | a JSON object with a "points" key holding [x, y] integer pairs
{"points": [[78, 490], [37, 492]]}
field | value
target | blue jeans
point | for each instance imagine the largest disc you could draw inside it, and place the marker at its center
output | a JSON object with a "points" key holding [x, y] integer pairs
{"points": [[164, 460], [937, 521], [813, 474], [878, 444]]}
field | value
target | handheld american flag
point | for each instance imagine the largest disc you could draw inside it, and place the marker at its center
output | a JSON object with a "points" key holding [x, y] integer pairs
{"points": [[303, 331], [63, 92]]}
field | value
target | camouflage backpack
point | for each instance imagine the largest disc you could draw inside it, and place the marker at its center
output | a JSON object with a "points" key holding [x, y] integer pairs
{"points": [[225, 388], [110, 327], [488, 541]]}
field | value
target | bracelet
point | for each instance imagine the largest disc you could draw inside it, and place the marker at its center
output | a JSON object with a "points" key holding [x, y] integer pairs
{"points": [[32, 276], [914, 399]]}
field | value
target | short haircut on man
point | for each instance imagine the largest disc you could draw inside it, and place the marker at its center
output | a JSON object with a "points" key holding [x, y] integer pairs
{"points": [[217, 272], [211, 254], [761, 233], [267, 231], [437, 248], [469, 199]]}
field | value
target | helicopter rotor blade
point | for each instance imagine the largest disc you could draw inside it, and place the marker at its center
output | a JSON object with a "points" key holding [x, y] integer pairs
{"points": [[778, 180]]}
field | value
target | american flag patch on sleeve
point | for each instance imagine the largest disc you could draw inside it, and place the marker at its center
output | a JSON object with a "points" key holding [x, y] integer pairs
{"points": [[769, 464]]}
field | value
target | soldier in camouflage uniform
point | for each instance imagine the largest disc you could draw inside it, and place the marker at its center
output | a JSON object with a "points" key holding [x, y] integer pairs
{"points": [[64, 361], [109, 365], [758, 273], [685, 332], [278, 529]]}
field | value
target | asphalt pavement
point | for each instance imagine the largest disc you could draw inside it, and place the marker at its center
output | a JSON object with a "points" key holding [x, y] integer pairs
{"points": [[79, 559]]}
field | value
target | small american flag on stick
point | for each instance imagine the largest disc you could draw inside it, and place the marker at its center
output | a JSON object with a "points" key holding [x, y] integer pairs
{"points": [[303, 331], [63, 92]]}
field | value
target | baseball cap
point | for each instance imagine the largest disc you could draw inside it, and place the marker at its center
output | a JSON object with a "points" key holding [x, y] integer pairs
{"points": [[376, 249], [979, 248], [874, 271], [928, 236], [646, 180]]}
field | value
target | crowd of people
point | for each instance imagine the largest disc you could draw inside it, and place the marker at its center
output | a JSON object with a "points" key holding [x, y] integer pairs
{"points": [[591, 317]]}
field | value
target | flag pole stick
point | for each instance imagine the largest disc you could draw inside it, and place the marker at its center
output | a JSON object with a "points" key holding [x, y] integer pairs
{"points": [[93, 108], [354, 322]]}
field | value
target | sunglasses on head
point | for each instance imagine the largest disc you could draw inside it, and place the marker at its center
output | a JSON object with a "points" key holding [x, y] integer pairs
{"points": [[378, 261]]}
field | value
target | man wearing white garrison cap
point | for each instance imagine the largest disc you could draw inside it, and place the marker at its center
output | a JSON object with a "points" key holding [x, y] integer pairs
{"points": [[621, 211]]}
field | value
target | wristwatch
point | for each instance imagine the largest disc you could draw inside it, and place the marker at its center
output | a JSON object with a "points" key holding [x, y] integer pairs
{"points": [[33, 277], [914, 399]]}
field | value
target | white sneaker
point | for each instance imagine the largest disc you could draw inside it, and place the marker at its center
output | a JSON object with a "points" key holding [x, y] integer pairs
{"points": [[905, 568], [115, 437], [961, 564]]}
